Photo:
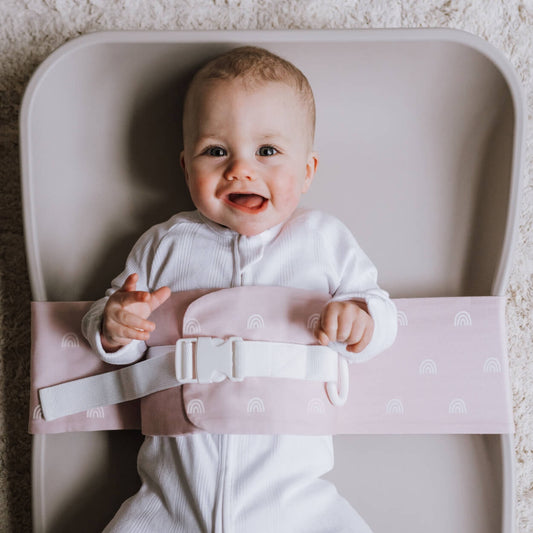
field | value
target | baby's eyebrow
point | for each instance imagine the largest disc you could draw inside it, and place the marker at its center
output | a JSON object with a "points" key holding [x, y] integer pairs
{"points": [[272, 135], [206, 137], [204, 140]]}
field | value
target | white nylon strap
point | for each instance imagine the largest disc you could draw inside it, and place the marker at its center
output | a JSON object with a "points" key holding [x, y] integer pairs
{"points": [[202, 360], [297, 361], [122, 385]]}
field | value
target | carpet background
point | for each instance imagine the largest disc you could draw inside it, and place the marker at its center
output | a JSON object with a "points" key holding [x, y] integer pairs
{"points": [[31, 29]]}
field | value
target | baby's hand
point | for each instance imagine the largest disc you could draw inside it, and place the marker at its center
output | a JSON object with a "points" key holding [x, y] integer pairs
{"points": [[126, 313], [347, 322]]}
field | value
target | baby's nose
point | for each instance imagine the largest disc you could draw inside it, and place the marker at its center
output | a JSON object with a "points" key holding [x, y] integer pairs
{"points": [[239, 169]]}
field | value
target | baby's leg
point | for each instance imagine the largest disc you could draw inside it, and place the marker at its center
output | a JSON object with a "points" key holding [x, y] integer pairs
{"points": [[280, 488], [237, 484], [178, 476]]}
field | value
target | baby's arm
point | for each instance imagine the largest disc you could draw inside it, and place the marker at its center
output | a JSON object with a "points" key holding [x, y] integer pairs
{"points": [[347, 322], [140, 261], [126, 313], [359, 309]]}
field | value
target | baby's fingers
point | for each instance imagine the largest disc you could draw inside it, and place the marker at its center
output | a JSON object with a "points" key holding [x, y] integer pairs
{"points": [[124, 327], [124, 298], [158, 297], [327, 328], [348, 328], [131, 283], [360, 338], [133, 321], [347, 323]]}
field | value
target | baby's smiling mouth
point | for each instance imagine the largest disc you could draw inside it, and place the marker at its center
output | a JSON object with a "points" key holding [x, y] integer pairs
{"points": [[247, 201]]}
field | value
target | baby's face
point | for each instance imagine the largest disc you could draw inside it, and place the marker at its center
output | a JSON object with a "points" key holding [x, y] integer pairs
{"points": [[247, 153]]}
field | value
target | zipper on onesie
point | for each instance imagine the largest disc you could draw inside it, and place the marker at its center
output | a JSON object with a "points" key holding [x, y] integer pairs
{"points": [[222, 512], [246, 252]]}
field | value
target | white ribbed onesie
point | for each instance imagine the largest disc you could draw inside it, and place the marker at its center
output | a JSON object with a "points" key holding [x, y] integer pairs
{"points": [[244, 483]]}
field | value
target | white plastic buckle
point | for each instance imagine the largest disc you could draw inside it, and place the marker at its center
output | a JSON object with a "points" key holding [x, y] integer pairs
{"points": [[338, 391], [207, 360]]}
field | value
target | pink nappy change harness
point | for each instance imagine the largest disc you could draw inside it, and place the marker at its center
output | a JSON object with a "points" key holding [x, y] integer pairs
{"points": [[245, 361]]}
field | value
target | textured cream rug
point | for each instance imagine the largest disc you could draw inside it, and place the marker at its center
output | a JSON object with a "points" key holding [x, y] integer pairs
{"points": [[31, 29]]}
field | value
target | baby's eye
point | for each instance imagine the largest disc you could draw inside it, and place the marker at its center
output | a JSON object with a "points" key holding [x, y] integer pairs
{"points": [[215, 151], [266, 151]]}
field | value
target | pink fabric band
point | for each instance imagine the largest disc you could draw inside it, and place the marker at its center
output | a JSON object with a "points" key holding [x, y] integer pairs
{"points": [[446, 373]]}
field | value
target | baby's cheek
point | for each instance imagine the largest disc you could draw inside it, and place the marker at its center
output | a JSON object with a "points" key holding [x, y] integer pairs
{"points": [[288, 195]]}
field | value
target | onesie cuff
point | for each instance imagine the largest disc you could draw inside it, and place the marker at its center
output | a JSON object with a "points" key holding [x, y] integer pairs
{"points": [[130, 353]]}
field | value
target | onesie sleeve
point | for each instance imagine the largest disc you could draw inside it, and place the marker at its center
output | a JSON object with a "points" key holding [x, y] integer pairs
{"points": [[139, 261], [356, 279]]}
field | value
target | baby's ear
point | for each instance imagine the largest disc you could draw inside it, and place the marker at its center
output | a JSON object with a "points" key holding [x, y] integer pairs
{"points": [[310, 170]]}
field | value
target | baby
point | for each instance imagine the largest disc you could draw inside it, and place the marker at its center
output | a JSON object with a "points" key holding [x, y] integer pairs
{"points": [[248, 157]]}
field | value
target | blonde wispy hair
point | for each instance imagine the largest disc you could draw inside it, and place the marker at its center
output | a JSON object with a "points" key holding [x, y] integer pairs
{"points": [[255, 66]]}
